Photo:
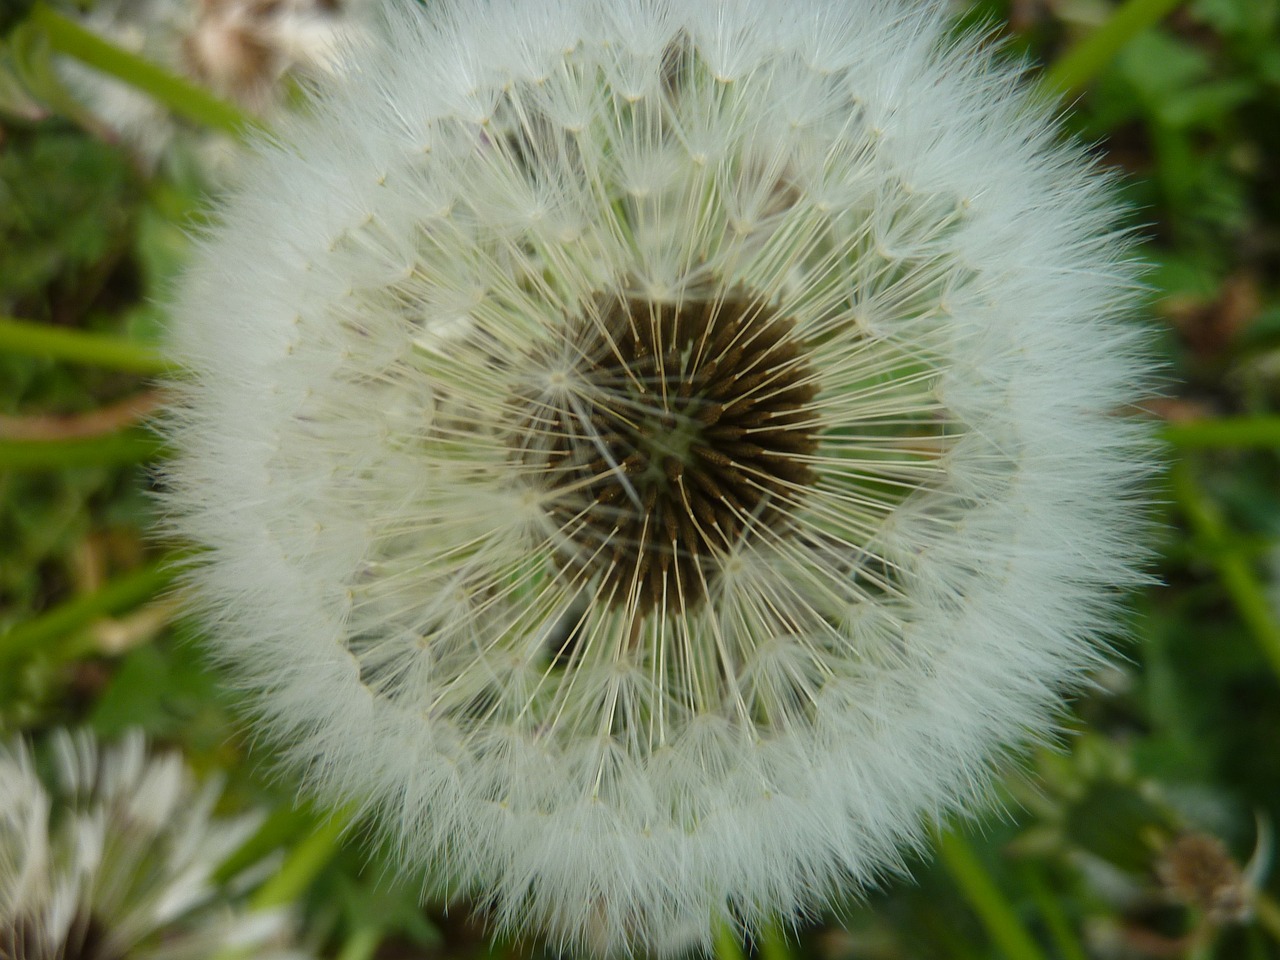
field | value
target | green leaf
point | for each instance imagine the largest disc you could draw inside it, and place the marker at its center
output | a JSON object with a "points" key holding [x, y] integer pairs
{"points": [[158, 687], [1206, 104], [1159, 65], [65, 204]]}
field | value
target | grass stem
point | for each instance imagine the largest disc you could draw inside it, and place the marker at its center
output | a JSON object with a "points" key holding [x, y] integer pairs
{"points": [[1091, 55], [773, 943], [1267, 913], [361, 945], [113, 449], [728, 943], [77, 346], [996, 913], [79, 612], [180, 95], [305, 861], [1055, 918], [1233, 567], [1261, 431]]}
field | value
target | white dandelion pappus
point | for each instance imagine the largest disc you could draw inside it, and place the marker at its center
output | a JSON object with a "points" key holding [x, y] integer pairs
{"points": [[655, 457], [115, 857]]}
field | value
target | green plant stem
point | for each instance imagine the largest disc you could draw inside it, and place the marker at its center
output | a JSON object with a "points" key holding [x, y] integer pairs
{"points": [[773, 943], [1203, 938], [1055, 918], [728, 945], [43, 632], [177, 93], [1226, 432], [281, 826], [1091, 55], [303, 864], [995, 912], [112, 449], [1267, 913], [76, 346], [361, 945], [1233, 567]]}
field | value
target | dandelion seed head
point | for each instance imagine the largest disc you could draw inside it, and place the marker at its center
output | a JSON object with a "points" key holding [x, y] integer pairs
{"points": [[114, 856], [654, 458]]}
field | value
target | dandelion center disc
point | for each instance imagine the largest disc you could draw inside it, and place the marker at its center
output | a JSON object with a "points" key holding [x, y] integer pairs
{"points": [[678, 429]]}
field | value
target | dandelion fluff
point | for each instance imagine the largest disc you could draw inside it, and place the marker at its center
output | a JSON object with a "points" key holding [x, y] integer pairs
{"points": [[655, 457], [114, 855]]}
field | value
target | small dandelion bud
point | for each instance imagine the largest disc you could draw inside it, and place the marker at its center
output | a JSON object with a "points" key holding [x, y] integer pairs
{"points": [[654, 457], [1196, 869], [115, 857], [243, 48]]}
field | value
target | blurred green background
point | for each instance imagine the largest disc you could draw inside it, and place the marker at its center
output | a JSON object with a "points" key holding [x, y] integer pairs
{"points": [[1146, 834]]}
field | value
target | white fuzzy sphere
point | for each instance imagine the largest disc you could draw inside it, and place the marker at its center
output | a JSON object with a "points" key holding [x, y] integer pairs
{"points": [[655, 456]]}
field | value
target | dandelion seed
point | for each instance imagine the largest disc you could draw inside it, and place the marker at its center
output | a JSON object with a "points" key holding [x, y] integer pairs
{"points": [[116, 859], [654, 457]]}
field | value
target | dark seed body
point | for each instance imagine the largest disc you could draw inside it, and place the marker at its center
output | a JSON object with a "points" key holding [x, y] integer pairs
{"points": [[693, 435]]}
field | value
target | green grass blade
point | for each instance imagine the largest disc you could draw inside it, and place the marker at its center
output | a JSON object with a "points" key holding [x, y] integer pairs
{"points": [[180, 95], [77, 346], [110, 450], [1075, 69]]}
